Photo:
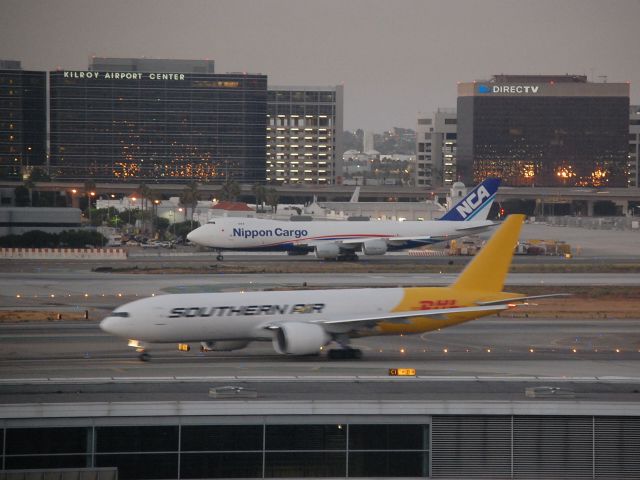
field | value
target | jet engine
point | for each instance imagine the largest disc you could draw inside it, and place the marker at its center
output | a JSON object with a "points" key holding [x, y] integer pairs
{"points": [[374, 247], [327, 250], [300, 338], [224, 346]]}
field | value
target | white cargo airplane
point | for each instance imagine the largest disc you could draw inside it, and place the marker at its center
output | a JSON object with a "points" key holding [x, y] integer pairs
{"points": [[341, 240], [303, 322]]}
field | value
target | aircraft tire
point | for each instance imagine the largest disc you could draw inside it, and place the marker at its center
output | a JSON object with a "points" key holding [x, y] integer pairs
{"points": [[345, 354], [144, 357], [220, 257]]}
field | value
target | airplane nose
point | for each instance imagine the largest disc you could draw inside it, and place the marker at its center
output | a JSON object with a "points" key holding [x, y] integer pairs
{"points": [[196, 235], [111, 325]]}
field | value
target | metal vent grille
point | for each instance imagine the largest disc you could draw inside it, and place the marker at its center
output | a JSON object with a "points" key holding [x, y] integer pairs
{"points": [[471, 446], [552, 447], [617, 442]]}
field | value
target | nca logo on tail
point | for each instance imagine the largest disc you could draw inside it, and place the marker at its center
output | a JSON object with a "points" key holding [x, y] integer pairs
{"points": [[473, 201]]}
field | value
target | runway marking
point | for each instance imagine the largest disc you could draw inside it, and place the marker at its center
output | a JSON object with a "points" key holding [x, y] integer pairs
{"points": [[313, 378]]}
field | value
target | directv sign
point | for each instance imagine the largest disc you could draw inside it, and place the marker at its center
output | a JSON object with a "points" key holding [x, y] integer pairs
{"points": [[516, 89]]}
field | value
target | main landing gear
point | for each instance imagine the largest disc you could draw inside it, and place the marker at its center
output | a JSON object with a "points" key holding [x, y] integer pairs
{"points": [[348, 257], [219, 257], [344, 354]]}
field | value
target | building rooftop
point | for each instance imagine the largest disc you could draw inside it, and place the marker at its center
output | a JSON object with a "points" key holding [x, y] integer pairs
{"points": [[566, 78]]}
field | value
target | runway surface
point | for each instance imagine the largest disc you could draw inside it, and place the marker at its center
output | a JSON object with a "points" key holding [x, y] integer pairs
{"points": [[488, 359]]}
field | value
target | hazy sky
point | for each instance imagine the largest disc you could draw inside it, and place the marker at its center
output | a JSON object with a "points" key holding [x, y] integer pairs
{"points": [[396, 58]]}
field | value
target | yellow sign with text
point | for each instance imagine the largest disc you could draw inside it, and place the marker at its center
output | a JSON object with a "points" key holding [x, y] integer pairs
{"points": [[402, 372]]}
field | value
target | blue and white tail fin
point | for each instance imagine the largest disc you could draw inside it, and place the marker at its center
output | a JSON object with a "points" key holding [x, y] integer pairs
{"points": [[477, 203]]}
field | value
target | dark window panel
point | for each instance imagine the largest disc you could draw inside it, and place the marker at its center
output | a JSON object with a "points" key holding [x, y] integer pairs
{"points": [[221, 465], [305, 437], [47, 461], [46, 440], [132, 439], [388, 464], [388, 437], [305, 464], [141, 466], [221, 437]]}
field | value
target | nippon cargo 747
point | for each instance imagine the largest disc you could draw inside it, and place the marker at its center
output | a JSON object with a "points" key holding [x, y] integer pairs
{"points": [[303, 322], [342, 240]]}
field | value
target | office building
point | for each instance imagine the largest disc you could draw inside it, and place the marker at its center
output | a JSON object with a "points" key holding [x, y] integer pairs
{"points": [[436, 145], [304, 126], [143, 122], [634, 144], [543, 130], [23, 120], [164, 65]]}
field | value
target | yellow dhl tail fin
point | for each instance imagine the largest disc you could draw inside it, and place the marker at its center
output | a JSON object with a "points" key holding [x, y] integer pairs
{"points": [[488, 270]]}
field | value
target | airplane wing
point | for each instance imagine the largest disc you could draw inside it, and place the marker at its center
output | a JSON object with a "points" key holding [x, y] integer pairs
{"points": [[523, 299], [470, 229], [399, 241], [403, 316], [399, 317]]}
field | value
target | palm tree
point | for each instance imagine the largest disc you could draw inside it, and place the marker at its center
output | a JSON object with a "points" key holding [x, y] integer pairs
{"points": [[29, 184], [89, 191], [189, 198], [272, 197], [260, 193], [230, 190], [145, 194]]}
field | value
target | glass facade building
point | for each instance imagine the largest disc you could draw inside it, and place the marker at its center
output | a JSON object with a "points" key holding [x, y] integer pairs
{"points": [[634, 144], [23, 120], [303, 135], [157, 126], [543, 131], [225, 451]]}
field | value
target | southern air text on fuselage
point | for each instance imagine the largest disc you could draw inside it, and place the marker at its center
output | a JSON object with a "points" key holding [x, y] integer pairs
{"points": [[227, 310]]}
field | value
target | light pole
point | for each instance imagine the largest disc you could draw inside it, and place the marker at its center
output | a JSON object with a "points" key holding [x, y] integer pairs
{"points": [[133, 199], [91, 195], [156, 202]]}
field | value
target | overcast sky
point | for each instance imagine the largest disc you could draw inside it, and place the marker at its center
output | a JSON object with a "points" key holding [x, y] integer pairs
{"points": [[395, 58]]}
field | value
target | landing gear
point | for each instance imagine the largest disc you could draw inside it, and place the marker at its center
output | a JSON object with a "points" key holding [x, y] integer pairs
{"points": [[144, 356], [345, 354], [346, 351], [219, 257], [348, 257]]}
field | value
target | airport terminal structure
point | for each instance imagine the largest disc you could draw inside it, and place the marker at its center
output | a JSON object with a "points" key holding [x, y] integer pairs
{"points": [[399, 435]]}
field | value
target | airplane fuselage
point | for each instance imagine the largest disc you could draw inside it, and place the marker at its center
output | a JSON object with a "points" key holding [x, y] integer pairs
{"points": [[233, 316], [229, 233]]}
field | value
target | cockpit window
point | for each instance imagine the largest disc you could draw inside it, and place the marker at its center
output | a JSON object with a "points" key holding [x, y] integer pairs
{"points": [[120, 314]]}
